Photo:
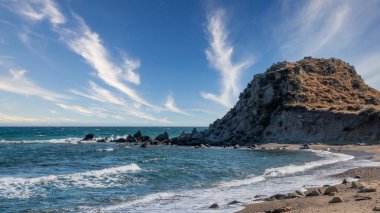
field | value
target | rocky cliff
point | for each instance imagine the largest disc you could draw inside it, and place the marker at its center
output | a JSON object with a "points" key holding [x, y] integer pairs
{"points": [[312, 100]]}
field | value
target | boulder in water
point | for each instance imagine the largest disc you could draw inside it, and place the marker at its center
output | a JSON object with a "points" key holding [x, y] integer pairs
{"points": [[138, 135], [162, 137], [88, 137]]}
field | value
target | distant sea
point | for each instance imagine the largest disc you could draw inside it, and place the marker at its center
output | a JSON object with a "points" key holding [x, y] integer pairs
{"points": [[41, 172]]}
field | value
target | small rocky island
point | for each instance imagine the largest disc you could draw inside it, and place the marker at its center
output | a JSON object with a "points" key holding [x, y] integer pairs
{"points": [[311, 100]]}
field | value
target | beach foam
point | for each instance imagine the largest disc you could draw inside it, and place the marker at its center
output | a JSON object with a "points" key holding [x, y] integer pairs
{"points": [[17, 187], [271, 181]]}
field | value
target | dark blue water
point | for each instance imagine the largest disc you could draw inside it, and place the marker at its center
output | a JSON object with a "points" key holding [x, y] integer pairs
{"points": [[41, 172]]}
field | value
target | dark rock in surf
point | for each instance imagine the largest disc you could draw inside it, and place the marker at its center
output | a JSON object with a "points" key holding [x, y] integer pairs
{"points": [[88, 137], [162, 137]]}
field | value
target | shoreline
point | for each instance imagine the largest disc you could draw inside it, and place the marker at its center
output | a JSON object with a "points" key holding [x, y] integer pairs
{"points": [[353, 201]]}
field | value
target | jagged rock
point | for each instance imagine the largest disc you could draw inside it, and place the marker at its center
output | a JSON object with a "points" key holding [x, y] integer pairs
{"points": [[376, 208], [214, 206], [138, 135], [162, 137], [330, 190], [145, 138], [336, 200], [301, 102], [130, 139], [88, 137], [344, 181], [102, 140], [120, 140]]}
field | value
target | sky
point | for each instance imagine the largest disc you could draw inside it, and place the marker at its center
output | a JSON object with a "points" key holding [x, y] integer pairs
{"points": [[164, 63]]}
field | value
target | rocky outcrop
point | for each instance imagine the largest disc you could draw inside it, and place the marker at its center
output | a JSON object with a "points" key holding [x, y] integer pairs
{"points": [[162, 137], [88, 137], [312, 100]]}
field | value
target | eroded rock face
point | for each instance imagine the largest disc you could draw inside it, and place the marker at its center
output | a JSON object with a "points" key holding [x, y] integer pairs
{"points": [[312, 100]]}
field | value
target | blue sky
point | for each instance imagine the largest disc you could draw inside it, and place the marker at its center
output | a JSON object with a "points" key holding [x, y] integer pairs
{"points": [[164, 63]]}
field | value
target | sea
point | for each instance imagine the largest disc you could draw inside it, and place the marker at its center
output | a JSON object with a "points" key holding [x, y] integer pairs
{"points": [[47, 169]]}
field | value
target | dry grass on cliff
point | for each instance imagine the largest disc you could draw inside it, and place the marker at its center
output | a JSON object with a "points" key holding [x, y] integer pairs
{"points": [[331, 84]]}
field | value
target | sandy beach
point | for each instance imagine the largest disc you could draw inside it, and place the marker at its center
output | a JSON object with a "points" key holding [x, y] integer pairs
{"points": [[352, 199]]}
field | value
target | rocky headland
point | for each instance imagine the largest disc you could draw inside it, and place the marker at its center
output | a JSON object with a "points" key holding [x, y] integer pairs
{"points": [[311, 100]]}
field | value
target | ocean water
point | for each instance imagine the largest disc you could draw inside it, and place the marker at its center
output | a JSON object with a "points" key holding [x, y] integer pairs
{"points": [[41, 172]]}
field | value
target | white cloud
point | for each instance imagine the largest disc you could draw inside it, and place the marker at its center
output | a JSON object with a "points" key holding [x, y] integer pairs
{"points": [[130, 66], [11, 119], [37, 10], [219, 55], [97, 93], [171, 106], [88, 44], [368, 66], [87, 111], [100, 94], [17, 82]]}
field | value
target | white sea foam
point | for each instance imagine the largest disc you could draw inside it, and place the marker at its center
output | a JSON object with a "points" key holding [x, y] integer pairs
{"points": [[61, 140], [105, 150], [328, 158], [16, 187], [276, 180], [146, 199]]}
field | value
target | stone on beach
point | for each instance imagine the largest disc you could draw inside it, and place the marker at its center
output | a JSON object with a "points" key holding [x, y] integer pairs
{"points": [[283, 209], [336, 200], [357, 184], [314, 192], [331, 189], [368, 188]]}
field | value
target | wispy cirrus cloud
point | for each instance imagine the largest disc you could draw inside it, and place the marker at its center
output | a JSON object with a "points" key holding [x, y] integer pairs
{"points": [[17, 82], [20, 120], [219, 55], [98, 93], [88, 45], [171, 106], [87, 111], [38, 10]]}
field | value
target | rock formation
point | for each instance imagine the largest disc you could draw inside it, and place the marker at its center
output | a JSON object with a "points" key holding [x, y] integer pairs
{"points": [[312, 100]]}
